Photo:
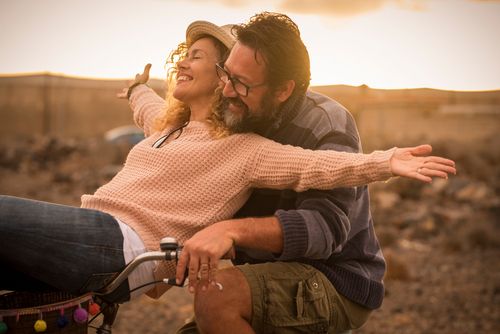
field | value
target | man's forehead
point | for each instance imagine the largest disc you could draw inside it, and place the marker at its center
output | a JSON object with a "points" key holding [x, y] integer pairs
{"points": [[243, 61]]}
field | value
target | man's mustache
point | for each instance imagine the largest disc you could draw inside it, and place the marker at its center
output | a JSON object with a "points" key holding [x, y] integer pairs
{"points": [[236, 101]]}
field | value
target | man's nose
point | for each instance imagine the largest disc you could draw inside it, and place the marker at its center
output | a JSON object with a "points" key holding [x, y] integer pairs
{"points": [[228, 90]]}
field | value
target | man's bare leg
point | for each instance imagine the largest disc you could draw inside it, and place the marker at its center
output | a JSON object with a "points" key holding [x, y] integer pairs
{"points": [[229, 308]]}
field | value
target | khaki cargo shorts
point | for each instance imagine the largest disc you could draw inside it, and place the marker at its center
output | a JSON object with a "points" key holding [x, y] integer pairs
{"points": [[297, 298]]}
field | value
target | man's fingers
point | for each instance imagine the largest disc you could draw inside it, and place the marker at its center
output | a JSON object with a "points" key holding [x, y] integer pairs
{"points": [[204, 274], [180, 271], [194, 267]]}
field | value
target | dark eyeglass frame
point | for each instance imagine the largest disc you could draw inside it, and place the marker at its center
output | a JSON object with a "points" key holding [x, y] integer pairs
{"points": [[160, 141], [224, 76]]}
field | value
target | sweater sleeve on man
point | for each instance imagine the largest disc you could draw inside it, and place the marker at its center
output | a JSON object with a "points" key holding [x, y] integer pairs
{"points": [[146, 105]]}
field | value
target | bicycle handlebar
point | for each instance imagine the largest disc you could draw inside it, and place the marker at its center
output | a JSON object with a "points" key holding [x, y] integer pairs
{"points": [[170, 250]]}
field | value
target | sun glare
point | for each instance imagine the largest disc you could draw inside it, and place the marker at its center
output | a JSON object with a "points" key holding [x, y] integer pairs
{"points": [[447, 45]]}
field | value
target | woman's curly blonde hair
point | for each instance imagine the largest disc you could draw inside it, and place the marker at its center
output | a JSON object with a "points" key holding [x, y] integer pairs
{"points": [[176, 112]]}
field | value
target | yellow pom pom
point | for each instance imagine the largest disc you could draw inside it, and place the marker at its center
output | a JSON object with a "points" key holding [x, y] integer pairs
{"points": [[40, 326]]}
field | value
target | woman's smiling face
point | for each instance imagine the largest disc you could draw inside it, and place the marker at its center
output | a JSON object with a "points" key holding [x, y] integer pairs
{"points": [[196, 75]]}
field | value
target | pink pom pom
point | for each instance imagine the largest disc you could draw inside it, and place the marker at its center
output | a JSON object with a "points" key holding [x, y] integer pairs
{"points": [[80, 315]]}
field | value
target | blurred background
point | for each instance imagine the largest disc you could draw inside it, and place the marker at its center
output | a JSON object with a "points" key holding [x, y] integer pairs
{"points": [[410, 71]]}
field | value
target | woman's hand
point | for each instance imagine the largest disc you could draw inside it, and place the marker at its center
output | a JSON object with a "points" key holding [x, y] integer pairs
{"points": [[415, 163], [140, 78]]}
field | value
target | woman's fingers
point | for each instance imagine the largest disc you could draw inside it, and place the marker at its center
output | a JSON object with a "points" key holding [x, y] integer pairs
{"points": [[421, 150], [122, 94], [432, 173], [146, 70], [441, 160], [439, 165], [144, 76]]}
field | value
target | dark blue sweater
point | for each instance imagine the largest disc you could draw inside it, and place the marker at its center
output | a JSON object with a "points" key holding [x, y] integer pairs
{"points": [[330, 230]]}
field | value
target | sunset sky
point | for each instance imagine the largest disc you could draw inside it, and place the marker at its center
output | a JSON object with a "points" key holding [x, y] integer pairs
{"points": [[445, 44]]}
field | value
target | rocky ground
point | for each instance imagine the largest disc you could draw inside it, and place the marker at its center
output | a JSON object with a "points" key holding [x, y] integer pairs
{"points": [[441, 241]]}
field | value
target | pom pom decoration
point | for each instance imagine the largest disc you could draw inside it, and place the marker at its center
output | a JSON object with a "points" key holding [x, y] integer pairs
{"points": [[80, 315], [53, 310], [62, 320], [40, 326], [94, 308]]}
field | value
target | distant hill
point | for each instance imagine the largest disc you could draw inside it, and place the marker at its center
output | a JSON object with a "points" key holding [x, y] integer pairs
{"points": [[67, 106], [356, 97]]}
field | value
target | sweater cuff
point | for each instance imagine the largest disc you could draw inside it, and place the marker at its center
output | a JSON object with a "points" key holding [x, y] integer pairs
{"points": [[294, 235], [136, 93], [382, 160]]}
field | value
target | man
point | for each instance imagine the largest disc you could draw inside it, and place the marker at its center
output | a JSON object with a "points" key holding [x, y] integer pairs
{"points": [[316, 263]]}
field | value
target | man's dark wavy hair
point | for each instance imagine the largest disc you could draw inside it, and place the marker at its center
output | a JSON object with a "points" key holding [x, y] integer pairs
{"points": [[277, 38]]}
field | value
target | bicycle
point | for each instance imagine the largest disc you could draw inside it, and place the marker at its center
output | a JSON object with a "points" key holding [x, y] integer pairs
{"points": [[169, 251]]}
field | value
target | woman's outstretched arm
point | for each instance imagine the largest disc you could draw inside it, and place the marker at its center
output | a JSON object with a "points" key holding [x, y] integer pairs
{"points": [[287, 167], [143, 101]]}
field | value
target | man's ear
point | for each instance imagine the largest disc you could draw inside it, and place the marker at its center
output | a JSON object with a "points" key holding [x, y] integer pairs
{"points": [[284, 91]]}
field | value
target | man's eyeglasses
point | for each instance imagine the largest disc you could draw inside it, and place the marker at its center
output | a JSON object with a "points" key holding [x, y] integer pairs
{"points": [[238, 86]]}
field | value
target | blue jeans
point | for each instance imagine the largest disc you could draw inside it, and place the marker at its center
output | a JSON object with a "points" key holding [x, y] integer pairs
{"points": [[45, 246]]}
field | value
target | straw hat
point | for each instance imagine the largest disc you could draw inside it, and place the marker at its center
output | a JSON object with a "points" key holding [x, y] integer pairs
{"points": [[222, 33]]}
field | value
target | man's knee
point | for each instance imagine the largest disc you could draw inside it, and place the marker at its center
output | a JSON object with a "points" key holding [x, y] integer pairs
{"points": [[230, 298]]}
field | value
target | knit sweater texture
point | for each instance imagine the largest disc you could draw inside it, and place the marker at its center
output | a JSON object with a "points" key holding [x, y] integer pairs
{"points": [[194, 180]]}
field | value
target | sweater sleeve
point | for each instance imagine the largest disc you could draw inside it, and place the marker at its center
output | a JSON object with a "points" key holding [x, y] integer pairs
{"points": [[280, 166], [146, 105]]}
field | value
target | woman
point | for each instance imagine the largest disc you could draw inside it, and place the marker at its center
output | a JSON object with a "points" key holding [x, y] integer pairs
{"points": [[189, 172]]}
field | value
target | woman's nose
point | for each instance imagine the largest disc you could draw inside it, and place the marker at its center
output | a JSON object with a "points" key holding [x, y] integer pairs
{"points": [[182, 63]]}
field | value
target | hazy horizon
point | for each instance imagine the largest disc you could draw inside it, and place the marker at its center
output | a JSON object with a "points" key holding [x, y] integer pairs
{"points": [[55, 74]]}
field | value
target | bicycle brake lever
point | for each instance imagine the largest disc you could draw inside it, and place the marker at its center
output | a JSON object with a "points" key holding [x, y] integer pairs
{"points": [[172, 280]]}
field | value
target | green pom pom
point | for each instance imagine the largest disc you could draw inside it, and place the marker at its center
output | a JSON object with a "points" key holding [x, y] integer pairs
{"points": [[3, 327]]}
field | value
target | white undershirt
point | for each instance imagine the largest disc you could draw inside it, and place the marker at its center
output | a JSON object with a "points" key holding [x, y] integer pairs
{"points": [[133, 247]]}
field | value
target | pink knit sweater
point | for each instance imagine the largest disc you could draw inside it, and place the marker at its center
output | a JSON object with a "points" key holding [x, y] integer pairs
{"points": [[194, 180]]}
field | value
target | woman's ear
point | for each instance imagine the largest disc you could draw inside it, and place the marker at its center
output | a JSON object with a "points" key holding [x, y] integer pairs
{"points": [[284, 91]]}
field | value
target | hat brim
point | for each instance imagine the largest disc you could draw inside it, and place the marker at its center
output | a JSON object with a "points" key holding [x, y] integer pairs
{"points": [[199, 28]]}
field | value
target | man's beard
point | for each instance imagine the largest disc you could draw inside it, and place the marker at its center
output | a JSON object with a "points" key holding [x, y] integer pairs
{"points": [[258, 121]]}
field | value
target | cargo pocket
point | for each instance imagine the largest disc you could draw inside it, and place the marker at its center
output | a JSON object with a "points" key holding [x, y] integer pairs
{"points": [[300, 306]]}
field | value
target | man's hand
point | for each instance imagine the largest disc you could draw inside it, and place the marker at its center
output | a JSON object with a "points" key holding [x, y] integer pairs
{"points": [[201, 254], [140, 78], [415, 163]]}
